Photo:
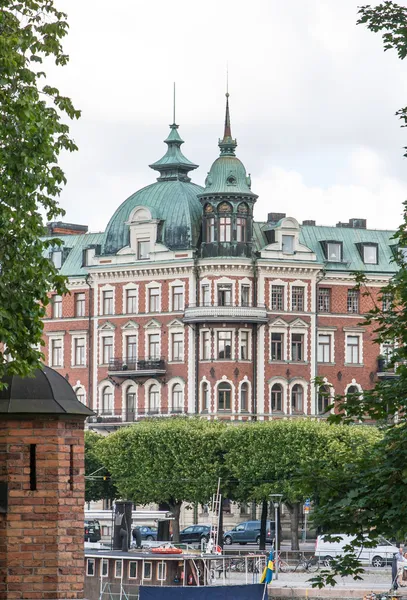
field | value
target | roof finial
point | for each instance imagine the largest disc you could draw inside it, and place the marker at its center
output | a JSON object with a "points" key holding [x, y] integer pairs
{"points": [[173, 118]]}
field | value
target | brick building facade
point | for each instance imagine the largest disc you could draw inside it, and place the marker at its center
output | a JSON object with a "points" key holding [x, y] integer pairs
{"points": [[186, 305]]}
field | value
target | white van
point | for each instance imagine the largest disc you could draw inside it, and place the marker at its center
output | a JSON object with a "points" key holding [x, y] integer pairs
{"points": [[377, 556]]}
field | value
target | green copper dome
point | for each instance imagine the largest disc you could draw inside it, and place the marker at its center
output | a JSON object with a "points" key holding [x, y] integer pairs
{"points": [[172, 200], [227, 175]]}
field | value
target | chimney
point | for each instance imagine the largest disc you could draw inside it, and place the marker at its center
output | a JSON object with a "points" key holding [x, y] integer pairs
{"points": [[309, 222], [354, 224], [58, 227], [273, 218]]}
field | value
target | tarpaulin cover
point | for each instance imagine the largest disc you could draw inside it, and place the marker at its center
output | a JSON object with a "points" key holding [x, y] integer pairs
{"points": [[218, 592]]}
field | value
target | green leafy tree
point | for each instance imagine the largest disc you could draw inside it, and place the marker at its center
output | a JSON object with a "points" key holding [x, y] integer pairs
{"points": [[165, 461], [375, 502], [33, 132], [287, 457], [98, 481]]}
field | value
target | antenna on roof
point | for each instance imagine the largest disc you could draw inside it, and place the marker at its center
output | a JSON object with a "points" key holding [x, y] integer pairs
{"points": [[174, 106], [227, 77]]}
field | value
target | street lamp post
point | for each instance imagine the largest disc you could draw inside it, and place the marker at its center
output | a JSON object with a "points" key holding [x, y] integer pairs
{"points": [[276, 500]]}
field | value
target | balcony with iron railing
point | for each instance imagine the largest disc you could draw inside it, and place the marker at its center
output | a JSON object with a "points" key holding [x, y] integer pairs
{"points": [[221, 312], [140, 367], [386, 368]]}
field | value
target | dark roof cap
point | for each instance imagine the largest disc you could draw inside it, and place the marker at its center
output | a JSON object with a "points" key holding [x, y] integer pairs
{"points": [[47, 393]]}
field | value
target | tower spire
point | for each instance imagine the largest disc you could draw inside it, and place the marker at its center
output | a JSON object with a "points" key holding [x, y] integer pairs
{"points": [[227, 145], [173, 111]]}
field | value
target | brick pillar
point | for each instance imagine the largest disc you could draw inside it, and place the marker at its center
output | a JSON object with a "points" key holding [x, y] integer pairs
{"points": [[41, 530]]}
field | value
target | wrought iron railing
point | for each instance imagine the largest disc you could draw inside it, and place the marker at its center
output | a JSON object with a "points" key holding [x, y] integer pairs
{"points": [[138, 365]]}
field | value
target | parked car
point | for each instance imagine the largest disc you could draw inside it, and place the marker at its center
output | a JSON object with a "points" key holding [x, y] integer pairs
{"points": [[377, 556], [249, 532], [195, 534], [92, 531], [148, 532]]}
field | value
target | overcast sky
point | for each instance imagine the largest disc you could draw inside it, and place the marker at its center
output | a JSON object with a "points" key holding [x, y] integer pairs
{"points": [[313, 98]]}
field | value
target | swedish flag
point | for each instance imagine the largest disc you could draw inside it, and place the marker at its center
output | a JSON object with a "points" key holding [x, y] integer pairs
{"points": [[268, 569]]}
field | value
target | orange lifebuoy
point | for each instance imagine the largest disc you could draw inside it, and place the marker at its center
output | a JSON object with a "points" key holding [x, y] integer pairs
{"points": [[218, 550], [166, 550]]}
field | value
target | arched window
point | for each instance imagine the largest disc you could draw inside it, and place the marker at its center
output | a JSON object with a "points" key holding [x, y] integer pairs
{"points": [[131, 403], [177, 398], [277, 397], [352, 389], [244, 397], [297, 398], [80, 394], [205, 397], [224, 396], [153, 399], [324, 399], [107, 400]]}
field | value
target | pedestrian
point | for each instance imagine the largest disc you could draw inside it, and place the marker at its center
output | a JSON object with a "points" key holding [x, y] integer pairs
{"points": [[401, 561]]}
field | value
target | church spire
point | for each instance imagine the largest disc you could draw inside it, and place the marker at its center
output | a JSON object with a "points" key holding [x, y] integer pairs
{"points": [[227, 145]]}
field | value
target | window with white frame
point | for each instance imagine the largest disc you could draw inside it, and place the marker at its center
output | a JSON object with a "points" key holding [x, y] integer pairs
{"points": [[206, 345], [104, 567], [224, 344], [131, 402], [297, 298], [80, 394], [387, 301], [79, 351], [297, 347], [80, 308], [143, 249], [153, 346], [297, 398], [210, 229], [277, 297], [276, 399], [277, 346], [245, 295], [56, 349], [287, 244], [131, 347], [225, 229], [147, 570], [90, 567], [56, 306], [324, 347], [177, 347], [56, 258], [161, 571], [353, 349], [205, 396], [177, 398], [324, 399], [353, 391], [107, 302], [224, 396], [118, 568], [153, 299], [153, 399], [241, 229], [387, 351], [132, 569], [353, 301], [225, 294], [370, 254], [244, 397], [324, 300], [177, 298], [206, 294], [131, 300], [107, 349], [107, 400], [244, 345], [334, 251]]}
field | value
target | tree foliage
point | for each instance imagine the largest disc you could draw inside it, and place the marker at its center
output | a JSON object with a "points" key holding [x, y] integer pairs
{"points": [[98, 482], [374, 500], [172, 461], [33, 132]]}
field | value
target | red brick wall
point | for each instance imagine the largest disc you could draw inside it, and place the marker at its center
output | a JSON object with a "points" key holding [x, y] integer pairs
{"points": [[41, 535]]}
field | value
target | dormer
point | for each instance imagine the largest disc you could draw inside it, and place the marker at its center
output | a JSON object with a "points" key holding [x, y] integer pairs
{"points": [[143, 232], [284, 241], [333, 250], [369, 252]]}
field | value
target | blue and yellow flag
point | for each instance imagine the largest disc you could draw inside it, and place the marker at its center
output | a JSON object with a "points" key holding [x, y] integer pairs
{"points": [[268, 569]]}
